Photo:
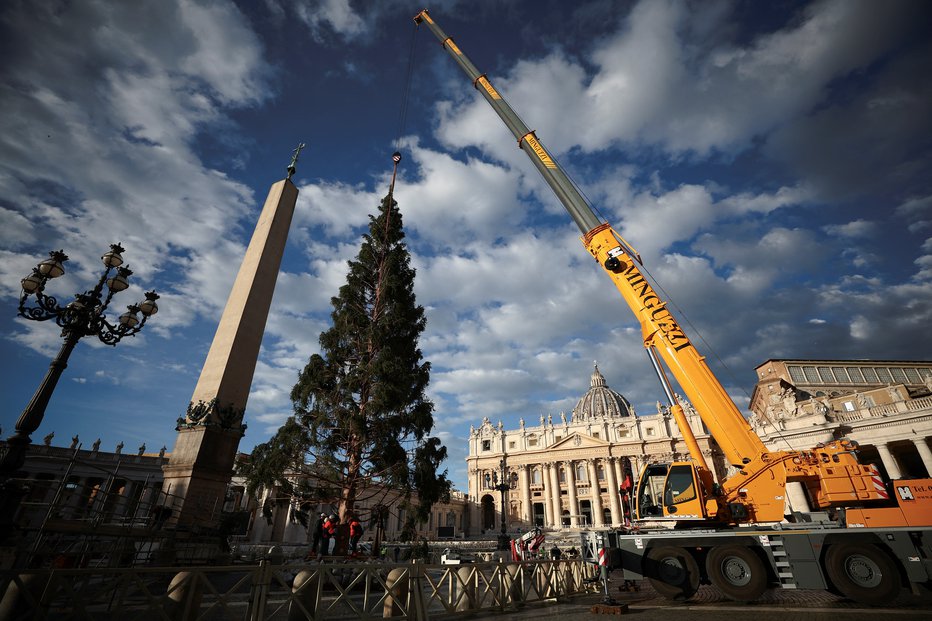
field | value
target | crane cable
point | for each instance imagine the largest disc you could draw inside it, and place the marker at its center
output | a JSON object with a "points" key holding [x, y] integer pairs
{"points": [[402, 117], [711, 349], [403, 113], [396, 156], [682, 313]]}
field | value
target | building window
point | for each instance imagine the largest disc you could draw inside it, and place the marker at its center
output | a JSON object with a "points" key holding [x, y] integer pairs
{"points": [[840, 374], [913, 376], [849, 406], [899, 375], [558, 438], [595, 434], [796, 374], [811, 375], [511, 444], [486, 445], [601, 473], [649, 431], [623, 433], [870, 375], [535, 476], [825, 374], [884, 375], [532, 441], [854, 374], [581, 472]]}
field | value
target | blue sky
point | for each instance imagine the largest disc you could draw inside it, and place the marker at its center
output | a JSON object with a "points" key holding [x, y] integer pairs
{"points": [[768, 160]]}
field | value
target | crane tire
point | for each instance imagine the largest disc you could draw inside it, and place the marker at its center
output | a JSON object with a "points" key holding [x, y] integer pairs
{"points": [[672, 571], [863, 573], [737, 572]]}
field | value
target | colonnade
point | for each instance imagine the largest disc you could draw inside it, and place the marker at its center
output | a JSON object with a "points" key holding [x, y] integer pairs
{"points": [[891, 465], [561, 486]]}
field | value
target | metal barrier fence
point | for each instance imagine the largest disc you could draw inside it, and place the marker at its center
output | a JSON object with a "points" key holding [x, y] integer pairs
{"points": [[330, 591]]}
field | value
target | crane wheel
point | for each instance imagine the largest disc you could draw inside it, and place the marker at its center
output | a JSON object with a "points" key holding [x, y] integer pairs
{"points": [[737, 572], [862, 572], [672, 571]]}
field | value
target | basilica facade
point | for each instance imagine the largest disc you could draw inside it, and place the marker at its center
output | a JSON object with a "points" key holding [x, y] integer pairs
{"points": [[566, 471]]}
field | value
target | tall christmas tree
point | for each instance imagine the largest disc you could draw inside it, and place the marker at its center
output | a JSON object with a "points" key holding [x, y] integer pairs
{"points": [[362, 419]]}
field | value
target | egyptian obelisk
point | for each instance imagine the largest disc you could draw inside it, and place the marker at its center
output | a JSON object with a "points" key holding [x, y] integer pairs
{"points": [[201, 464]]}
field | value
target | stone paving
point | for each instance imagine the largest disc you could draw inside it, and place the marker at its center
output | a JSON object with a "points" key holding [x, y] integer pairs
{"points": [[709, 604]]}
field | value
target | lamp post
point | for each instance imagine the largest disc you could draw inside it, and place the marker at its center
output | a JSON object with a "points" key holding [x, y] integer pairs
{"points": [[503, 481], [83, 316]]}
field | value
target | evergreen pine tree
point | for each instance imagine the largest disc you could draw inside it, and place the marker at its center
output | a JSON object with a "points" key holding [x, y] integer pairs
{"points": [[362, 419]]}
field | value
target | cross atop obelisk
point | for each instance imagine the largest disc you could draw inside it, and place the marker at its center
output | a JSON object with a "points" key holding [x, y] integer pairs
{"points": [[294, 160], [201, 463]]}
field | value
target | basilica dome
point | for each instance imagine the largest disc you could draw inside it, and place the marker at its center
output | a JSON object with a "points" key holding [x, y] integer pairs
{"points": [[600, 401]]}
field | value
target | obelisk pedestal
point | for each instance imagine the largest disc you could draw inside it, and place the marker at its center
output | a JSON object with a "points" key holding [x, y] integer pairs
{"points": [[201, 464]]}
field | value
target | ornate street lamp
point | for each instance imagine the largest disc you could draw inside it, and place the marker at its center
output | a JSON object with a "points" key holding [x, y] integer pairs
{"points": [[83, 316], [509, 481]]}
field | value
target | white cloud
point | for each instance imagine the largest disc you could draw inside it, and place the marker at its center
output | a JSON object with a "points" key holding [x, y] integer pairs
{"points": [[336, 15], [852, 230], [915, 207]]}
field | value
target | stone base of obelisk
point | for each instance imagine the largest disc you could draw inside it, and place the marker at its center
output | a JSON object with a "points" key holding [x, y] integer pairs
{"points": [[197, 475]]}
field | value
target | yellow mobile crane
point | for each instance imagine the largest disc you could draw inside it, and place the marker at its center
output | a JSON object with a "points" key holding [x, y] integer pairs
{"points": [[755, 495]]}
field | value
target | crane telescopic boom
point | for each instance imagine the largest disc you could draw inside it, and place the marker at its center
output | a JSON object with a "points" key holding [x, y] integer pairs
{"points": [[756, 492], [661, 331]]}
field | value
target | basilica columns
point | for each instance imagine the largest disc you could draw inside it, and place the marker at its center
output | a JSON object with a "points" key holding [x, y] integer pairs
{"points": [[889, 462], [614, 500], [923, 447], [528, 514], [595, 490], [796, 497], [476, 509], [571, 492], [555, 501]]}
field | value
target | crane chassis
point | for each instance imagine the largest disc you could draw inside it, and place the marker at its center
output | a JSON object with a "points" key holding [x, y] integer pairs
{"points": [[868, 565]]}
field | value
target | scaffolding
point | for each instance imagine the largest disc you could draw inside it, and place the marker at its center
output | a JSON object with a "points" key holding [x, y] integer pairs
{"points": [[94, 515]]}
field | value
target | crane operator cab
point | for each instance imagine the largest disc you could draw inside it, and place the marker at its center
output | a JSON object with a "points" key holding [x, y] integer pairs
{"points": [[669, 491]]}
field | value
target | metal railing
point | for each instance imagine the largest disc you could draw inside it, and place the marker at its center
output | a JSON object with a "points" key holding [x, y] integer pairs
{"points": [[330, 591]]}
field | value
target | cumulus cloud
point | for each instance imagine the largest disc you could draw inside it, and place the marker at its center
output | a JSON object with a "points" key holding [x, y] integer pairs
{"points": [[334, 15], [855, 229]]}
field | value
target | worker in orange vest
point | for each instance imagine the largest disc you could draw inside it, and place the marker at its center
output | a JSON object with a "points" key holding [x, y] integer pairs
{"points": [[328, 536], [355, 532], [331, 527]]}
